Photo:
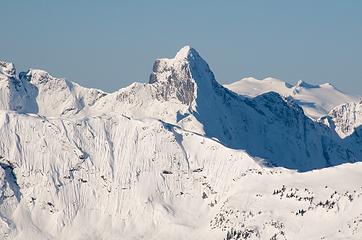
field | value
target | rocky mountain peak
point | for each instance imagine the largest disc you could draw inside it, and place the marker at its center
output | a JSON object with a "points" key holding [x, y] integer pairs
{"points": [[182, 76]]}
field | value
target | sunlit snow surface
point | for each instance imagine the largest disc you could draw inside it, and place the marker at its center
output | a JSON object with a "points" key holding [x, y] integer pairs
{"points": [[179, 158], [316, 100]]}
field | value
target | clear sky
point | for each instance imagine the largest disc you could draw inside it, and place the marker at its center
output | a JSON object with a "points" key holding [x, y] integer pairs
{"points": [[110, 44]]}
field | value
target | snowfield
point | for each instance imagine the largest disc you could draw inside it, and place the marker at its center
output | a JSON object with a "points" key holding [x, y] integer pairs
{"points": [[181, 157], [316, 100]]}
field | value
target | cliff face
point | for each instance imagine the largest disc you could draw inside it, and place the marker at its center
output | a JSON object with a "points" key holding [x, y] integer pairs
{"points": [[347, 118]]}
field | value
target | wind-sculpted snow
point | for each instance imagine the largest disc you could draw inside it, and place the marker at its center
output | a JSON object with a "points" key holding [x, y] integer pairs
{"points": [[107, 177], [181, 157], [109, 173]]}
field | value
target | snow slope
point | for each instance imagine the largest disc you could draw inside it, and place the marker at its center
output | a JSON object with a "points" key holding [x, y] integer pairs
{"points": [[316, 100], [181, 157], [112, 177], [36, 91]]}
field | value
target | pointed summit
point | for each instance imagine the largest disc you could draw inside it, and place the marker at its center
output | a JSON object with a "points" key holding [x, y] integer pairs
{"points": [[299, 83], [186, 53], [303, 84], [185, 65], [182, 76]]}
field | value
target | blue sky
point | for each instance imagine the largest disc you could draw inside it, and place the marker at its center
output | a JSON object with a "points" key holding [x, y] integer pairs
{"points": [[110, 44]]}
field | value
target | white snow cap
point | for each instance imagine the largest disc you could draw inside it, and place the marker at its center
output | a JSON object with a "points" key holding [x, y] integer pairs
{"points": [[186, 52]]}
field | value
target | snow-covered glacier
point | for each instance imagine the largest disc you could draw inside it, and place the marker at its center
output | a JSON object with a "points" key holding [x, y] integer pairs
{"points": [[181, 157], [316, 100]]}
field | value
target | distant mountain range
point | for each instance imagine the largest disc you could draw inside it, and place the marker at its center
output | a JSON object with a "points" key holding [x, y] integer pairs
{"points": [[181, 157], [316, 100]]}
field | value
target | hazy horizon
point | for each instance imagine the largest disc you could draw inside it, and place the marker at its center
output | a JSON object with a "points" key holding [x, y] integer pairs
{"points": [[110, 45]]}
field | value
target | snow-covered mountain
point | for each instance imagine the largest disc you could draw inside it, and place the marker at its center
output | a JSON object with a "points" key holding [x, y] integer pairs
{"points": [[316, 100], [181, 157], [36, 91]]}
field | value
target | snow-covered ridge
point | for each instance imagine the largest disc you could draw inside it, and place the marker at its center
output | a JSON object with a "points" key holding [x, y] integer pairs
{"points": [[316, 100], [36, 91], [180, 157], [183, 91]]}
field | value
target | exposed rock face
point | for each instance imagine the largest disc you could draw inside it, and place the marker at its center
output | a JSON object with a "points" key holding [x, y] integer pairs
{"points": [[181, 157], [173, 83], [7, 69], [179, 77], [347, 118], [183, 91]]}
